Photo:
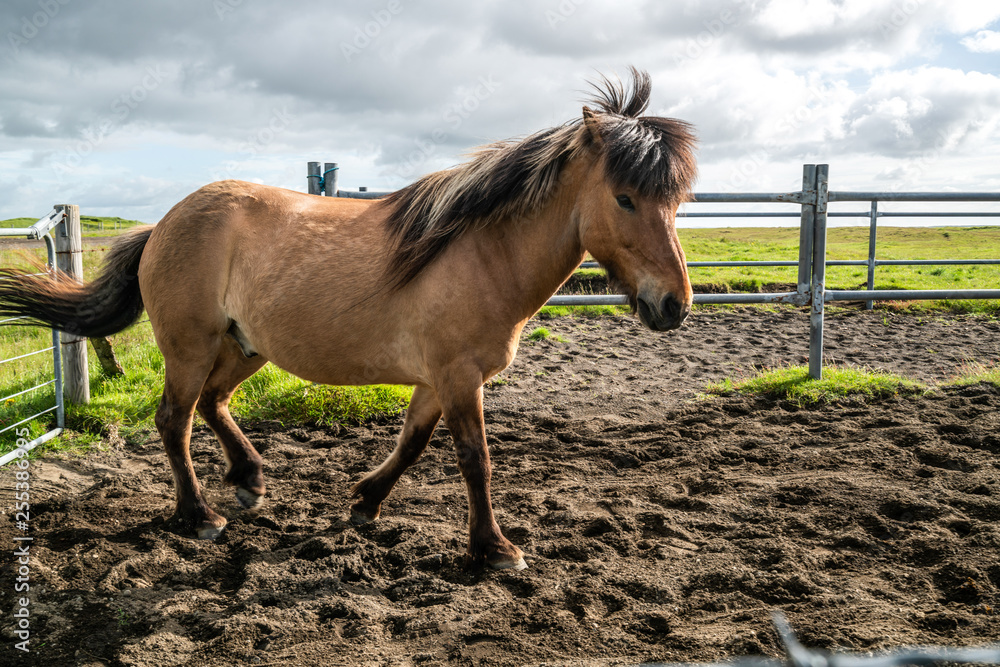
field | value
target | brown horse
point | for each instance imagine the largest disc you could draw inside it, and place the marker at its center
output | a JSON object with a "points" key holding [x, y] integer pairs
{"points": [[429, 286]]}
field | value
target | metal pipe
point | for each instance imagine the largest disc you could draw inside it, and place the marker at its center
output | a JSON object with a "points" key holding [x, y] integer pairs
{"points": [[793, 298], [50, 248], [911, 294], [17, 453], [818, 274], [940, 214], [838, 196], [25, 391], [312, 178], [329, 179], [588, 300], [48, 223], [28, 419], [22, 356], [352, 194], [806, 222], [751, 197], [843, 214], [18, 231], [933, 262], [872, 232]]}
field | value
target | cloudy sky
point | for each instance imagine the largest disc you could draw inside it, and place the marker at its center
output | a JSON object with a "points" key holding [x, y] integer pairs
{"points": [[126, 107]]}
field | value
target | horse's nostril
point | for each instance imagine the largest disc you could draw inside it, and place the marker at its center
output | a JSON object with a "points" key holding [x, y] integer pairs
{"points": [[671, 308]]}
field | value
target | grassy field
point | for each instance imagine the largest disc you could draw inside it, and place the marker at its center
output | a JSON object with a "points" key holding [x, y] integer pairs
{"points": [[849, 243], [126, 404], [90, 225]]}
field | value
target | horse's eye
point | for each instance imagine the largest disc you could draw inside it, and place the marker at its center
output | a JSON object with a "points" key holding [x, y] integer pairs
{"points": [[625, 202]]}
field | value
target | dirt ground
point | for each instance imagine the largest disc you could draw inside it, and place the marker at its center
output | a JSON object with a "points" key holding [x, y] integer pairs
{"points": [[657, 526]]}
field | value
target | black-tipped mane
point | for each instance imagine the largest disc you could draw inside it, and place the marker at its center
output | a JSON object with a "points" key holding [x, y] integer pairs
{"points": [[509, 179]]}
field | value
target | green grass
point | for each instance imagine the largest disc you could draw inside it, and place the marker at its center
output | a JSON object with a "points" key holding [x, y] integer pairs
{"points": [[794, 384], [851, 243], [550, 312], [978, 373], [541, 333], [126, 404]]}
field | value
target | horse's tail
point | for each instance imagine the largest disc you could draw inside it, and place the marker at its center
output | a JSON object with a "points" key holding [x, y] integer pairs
{"points": [[99, 308]]}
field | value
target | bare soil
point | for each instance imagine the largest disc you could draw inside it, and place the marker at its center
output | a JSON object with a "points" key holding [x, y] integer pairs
{"points": [[657, 526]]}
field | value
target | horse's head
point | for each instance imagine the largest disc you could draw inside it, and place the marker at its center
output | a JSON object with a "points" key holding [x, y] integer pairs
{"points": [[642, 172]]}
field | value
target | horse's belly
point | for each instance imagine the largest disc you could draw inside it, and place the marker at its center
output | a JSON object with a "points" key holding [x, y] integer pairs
{"points": [[346, 359]]}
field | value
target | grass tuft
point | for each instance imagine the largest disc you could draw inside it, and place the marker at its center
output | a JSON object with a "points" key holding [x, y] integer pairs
{"points": [[978, 373], [794, 384], [541, 333]]}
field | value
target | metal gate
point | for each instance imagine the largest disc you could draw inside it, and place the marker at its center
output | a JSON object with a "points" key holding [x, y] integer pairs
{"points": [[39, 230], [813, 201]]}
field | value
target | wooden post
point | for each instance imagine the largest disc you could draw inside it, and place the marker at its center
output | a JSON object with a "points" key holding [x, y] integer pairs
{"points": [[330, 179], [69, 260]]}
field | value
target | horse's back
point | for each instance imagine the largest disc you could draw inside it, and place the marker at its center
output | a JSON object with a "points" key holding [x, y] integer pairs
{"points": [[296, 273]]}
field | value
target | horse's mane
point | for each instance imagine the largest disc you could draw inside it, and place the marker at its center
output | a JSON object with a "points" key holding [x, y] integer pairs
{"points": [[509, 179]]}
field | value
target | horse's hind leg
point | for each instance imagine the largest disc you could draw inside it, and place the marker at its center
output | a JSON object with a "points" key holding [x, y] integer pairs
{"points": [[185, 377], [421, 418], [245, 465]]}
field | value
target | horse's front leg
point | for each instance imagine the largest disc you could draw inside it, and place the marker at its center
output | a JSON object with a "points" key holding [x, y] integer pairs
{"points": [[464, 416], [421, 418]]}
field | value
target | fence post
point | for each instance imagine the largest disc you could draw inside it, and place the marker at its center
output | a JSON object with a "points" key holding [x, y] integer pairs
{"points": [[330, 170], [69, 260], [818, 273], [312, 178], [806, 229], [872, 233]]}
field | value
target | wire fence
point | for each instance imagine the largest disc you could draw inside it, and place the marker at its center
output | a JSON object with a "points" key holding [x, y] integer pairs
{"points": [[40, 230], [797, 655]]}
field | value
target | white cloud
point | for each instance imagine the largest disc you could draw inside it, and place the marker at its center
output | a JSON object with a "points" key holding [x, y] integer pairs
{"points": [[926, 109], [984, 41], [768, 83]]}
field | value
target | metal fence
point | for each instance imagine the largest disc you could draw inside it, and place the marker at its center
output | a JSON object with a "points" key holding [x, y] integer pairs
{"points": [[798, 655], [813, 201], [39, 230]]}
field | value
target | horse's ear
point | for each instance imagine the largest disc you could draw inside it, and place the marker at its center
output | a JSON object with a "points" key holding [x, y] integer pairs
{"points": [[593, 125]]}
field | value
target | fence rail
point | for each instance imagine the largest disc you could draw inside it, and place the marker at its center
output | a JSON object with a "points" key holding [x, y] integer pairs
{"points": [[798, 655], [40, 230], [813, 201]]}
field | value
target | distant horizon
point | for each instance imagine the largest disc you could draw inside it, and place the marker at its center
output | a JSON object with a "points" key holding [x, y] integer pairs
{"points": [[125, 109]]}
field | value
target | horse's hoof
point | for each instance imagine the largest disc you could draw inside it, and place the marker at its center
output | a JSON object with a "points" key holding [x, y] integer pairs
{"points": [[248, 499], [515, 565], [210, 532], [359, 519]]}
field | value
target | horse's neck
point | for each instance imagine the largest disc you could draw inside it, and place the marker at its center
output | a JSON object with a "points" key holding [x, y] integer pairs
{"points": [[543, 248]]}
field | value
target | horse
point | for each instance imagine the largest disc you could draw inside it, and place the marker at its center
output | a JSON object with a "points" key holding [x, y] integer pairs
{"points": [[429, 286]]}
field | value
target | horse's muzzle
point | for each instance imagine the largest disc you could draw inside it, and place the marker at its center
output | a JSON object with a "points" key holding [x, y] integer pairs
{"points": [[668, 314]]}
